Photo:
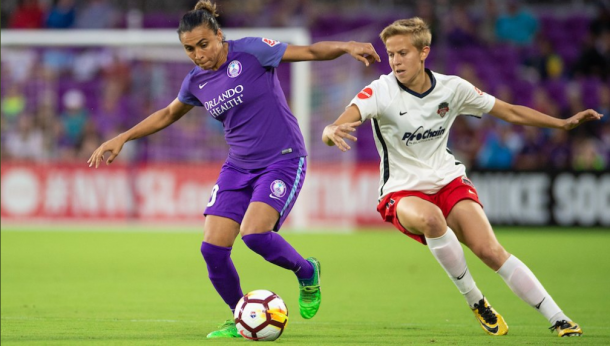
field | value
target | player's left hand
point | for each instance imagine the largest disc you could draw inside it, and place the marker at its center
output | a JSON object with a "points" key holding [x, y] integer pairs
{"points": [[581, 117], [364, 52], [336, 134]]}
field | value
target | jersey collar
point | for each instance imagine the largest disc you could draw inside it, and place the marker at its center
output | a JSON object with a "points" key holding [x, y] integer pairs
{"points": [[432, 81]]}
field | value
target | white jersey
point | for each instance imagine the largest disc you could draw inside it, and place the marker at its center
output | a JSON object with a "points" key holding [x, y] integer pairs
{"points": [[411, 129]]}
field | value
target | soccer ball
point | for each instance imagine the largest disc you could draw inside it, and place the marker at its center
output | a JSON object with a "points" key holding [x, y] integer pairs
{"points": [[261, 315]]}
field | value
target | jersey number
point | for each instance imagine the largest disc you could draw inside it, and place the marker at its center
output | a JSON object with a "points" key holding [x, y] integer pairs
{"points": [[213, 197]]}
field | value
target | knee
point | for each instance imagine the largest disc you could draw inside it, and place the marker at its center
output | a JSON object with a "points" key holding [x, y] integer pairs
{"points": [[246, 229], [494, 255], [431, 225], [206, 251], [212, 252]]}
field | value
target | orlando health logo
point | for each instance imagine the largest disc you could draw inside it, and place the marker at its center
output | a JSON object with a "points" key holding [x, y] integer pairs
{"points": [[225, 101], [421, 135]]}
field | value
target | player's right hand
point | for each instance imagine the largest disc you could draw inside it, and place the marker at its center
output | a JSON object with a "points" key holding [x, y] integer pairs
{"points": [[336, 135], [114, 146], [364, 52]]}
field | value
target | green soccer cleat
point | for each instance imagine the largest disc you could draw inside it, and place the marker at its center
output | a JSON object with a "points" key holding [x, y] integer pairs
{"points": [[225, 330], [310, 296]]}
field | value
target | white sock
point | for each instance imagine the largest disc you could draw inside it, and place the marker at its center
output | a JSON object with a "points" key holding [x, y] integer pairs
{"points": [[449, 253], [526, 286]]}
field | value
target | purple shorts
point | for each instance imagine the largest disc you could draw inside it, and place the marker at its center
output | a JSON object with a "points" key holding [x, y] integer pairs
{"points": [[277, 185]]}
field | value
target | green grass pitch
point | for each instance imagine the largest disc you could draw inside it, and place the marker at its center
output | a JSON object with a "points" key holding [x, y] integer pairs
{"points": [[378, 288]]}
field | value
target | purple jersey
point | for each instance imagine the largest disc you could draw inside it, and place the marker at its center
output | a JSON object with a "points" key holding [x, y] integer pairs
{"points": [[245, 95]]}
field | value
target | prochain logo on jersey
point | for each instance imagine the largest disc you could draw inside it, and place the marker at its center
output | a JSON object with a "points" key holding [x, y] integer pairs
{"points": [[225, 101], [420, 135]]}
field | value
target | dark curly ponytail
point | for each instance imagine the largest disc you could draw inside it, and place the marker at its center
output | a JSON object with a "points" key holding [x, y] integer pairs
{"points": [[204, 13]]}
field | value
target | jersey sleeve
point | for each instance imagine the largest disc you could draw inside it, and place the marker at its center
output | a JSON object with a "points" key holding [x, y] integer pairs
{"points": [[367, 101], [268, 52], [474, 101], [184, 95]]}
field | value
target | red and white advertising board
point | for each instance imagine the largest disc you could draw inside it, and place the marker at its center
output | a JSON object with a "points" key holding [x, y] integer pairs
{"points": [[332, 196]]}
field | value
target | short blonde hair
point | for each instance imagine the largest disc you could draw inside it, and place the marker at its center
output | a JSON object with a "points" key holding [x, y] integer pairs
{"points": [[416, 27]]}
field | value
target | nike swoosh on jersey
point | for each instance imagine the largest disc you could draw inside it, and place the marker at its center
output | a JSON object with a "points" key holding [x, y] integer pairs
{"points": [[274, 197], [202, 85], [402, 113]]}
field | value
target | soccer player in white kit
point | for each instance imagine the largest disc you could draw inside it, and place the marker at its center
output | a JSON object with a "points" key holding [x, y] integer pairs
{"points": [[423, 189]]}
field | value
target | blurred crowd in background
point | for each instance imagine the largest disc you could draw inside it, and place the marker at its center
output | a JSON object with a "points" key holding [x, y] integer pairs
{"points": [[553, 56]]}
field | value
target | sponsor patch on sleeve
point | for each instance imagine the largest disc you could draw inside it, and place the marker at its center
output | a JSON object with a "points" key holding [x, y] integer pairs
{"points": [[270, 42], [365, 93], [478, 91]]}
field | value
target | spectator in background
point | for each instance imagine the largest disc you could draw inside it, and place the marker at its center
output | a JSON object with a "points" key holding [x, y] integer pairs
{"points": [[27, 15], [495, 150], [545, 61], [62, 15], [601, 23], [89, 141], [74, 118], [530, 156], [468, 71], [487, 22], [47, 122], [543, 103], [460, 29], [26, 143], [516, 25], [588, 156], [97, 14], [594, 58], [13, 104], [425, 10], [463, 141], [558, 151]]}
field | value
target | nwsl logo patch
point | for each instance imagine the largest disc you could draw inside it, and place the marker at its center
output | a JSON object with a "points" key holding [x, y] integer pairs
{"points": [[234, 69], [278, 189], [443, 108]]}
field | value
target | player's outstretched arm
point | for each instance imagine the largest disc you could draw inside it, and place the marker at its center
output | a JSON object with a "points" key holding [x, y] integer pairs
{"points": [[337, 132], [329, 50], [522, 115], [153, 123]]}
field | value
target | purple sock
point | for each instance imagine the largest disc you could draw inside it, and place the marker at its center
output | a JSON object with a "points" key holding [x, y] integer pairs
{"points": [[222, 273], [278, 251]]}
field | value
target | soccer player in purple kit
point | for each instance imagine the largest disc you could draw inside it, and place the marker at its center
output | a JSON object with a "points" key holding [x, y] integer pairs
{"points": [[235, 81]]}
